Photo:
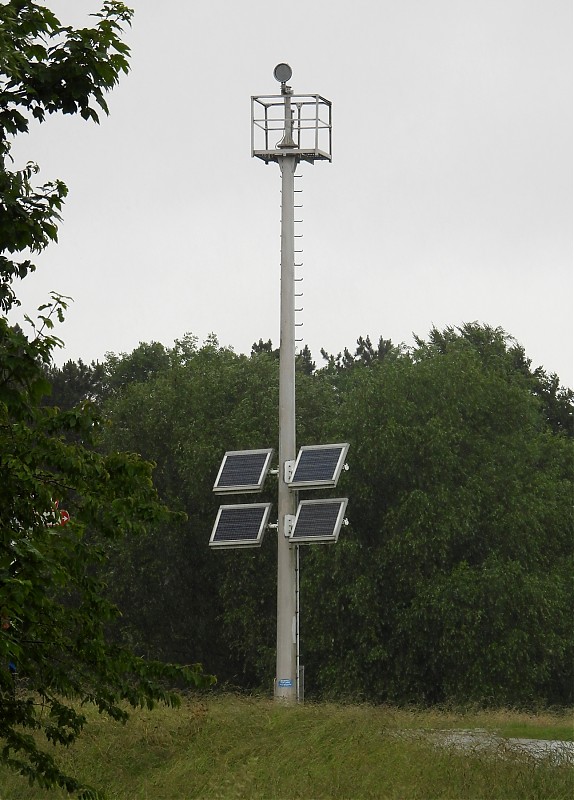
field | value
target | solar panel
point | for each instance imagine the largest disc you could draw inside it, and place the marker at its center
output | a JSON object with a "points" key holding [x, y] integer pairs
{"points": [[318, 521], [242, 471], [240, 525], [319, 465]]}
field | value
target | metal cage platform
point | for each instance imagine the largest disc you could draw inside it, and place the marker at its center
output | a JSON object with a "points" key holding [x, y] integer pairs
{"points": [[310, 126]]}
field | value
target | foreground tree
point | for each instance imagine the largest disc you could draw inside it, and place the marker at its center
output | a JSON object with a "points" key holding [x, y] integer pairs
{"points": [[54, 609]]}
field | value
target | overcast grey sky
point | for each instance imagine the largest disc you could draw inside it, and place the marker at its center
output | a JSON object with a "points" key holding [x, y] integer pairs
{"points": [[449, 198]]}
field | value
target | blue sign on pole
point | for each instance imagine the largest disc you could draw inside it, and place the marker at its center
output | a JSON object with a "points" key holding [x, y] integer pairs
{"points": [[285, 682]]}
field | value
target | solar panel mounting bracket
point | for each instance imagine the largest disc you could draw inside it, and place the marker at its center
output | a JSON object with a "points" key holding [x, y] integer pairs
{"points": [[289, 523], [288, 470]]}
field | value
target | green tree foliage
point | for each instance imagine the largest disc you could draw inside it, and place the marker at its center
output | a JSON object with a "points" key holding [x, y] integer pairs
{"points": [[365, 354], [74, 383], [451, 583], [496, 347], [264, 347], [54, 607]]}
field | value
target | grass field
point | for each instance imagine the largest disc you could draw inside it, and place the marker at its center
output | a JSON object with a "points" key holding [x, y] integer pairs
{"points": [[231, 748]]}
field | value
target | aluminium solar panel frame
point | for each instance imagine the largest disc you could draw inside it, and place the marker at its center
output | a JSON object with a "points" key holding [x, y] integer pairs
{"points": [[342, 501], [243, 488], [321, 483], [254, 541]]}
